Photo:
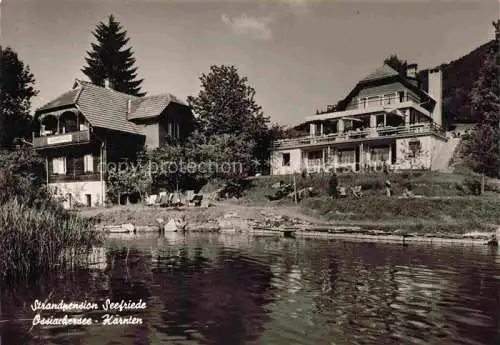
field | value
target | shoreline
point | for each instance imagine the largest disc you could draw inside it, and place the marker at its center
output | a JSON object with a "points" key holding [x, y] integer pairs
{"points": [[390, 239], [267, 220], [380, 238]]}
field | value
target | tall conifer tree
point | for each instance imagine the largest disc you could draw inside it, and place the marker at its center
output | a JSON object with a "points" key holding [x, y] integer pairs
{"points": [[110, 60]]}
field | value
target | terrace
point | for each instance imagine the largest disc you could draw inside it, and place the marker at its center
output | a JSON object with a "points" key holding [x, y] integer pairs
{"points": [[417, 129]]}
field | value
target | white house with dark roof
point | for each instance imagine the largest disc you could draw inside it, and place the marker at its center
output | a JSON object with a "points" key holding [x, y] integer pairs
{"points": [[386, 119], [90, 124]]}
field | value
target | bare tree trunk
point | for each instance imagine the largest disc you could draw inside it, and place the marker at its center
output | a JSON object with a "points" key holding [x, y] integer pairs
{"points": [[482, 183]]}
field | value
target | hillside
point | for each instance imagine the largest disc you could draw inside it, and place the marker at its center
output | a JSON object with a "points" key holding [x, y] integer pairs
{"points": [[459, 77]]}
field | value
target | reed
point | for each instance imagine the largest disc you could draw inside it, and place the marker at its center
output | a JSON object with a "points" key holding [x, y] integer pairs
{"points": [[35, 239]]}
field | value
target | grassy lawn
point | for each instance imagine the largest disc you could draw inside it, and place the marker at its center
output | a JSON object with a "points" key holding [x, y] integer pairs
{"points": [[438, 216], [446, 205]]}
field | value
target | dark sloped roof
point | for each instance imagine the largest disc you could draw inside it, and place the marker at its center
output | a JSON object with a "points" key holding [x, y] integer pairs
{"points": [[382, 72], [105, 108], [152, 106], [67, 98], [379, 76]]}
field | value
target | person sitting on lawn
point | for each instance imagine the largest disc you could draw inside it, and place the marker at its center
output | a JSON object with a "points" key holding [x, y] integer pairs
{"points": [[408, 192], [356, 192]]}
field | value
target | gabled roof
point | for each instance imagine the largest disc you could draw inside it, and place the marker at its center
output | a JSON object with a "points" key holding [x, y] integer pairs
{"points": [[150, 107], [379, 76], [105, 108], [382, 72], [67, 98]]}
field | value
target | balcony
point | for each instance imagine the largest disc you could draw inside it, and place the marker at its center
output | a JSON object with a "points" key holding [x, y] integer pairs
{"points": [[372, 105], [385, 101], [369, 134], [62, 139]]}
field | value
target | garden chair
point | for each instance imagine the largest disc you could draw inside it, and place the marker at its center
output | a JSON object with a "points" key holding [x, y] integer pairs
{"points": [[176, 199], [196, 200], [356, 192], [151, 200], [341, 192], [189, 194]]}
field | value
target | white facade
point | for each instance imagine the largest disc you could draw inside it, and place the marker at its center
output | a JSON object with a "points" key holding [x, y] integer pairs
{"points": [[286, 161], [386, 120], [84, 193]]}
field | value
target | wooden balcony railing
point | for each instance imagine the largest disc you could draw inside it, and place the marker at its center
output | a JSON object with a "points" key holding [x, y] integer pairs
{"points": [[420, 128], [382, 101], [62, 139]]}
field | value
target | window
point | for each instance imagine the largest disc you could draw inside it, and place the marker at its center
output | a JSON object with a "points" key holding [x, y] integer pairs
{"points": [[413, 117], [315, 158], [173, 129], [362, 102], [88, 163], [59, 165], [347, 157], [348, 125], [88, 198], [286, 160], [401, 95], [379, 154], [317, 131], [414, 147], [380, 121]]}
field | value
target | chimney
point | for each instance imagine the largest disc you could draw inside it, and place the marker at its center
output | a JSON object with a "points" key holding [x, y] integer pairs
{"points": [[129, 106], [107, 83], [436, 92], [411, 71]]}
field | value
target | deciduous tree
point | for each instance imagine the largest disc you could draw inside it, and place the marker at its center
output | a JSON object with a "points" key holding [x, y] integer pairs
{"points": [[482, 148], [226, 105], [17, 87]]}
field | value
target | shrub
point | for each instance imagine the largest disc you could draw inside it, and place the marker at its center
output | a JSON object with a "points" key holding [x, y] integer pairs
{"points": [[371, 185], [35, 230], [473, 184]]}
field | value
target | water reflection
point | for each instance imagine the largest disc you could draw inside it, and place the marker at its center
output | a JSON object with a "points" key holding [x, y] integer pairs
{"points": [[236, 289]]}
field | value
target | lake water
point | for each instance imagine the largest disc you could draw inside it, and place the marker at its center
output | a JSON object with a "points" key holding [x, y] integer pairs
{"points": [[237, 289]]}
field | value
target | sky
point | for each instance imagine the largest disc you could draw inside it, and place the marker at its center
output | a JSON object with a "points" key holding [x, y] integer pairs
{"points": [[299, 55]]}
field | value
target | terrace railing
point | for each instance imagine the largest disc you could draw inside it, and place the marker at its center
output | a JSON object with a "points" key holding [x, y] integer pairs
{"points": [[419, 128], [381, 101], [62, 139]]}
